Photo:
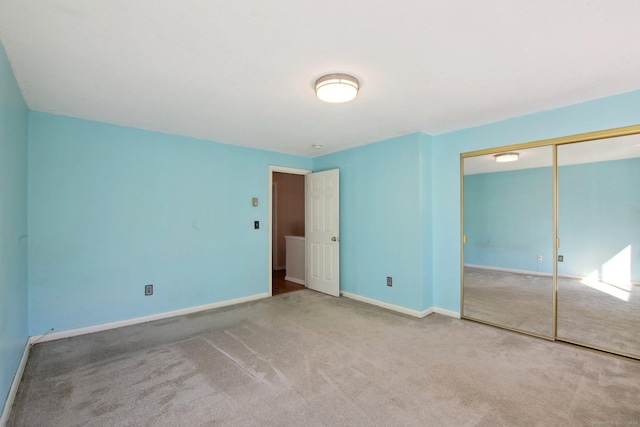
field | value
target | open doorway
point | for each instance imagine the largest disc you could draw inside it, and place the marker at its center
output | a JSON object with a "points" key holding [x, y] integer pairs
{"points": [[287, 230]]}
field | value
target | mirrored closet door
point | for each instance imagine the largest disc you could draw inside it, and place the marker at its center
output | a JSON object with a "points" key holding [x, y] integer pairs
{"points": [[551, 239], [508, 228], [599, 254]]}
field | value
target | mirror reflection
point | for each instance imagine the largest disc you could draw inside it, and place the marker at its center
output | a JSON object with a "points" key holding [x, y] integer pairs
{"points": [[599, 254], [508, 228]]}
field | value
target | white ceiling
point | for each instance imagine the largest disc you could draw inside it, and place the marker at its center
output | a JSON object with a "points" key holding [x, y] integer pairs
{"points": [[242, 72]]}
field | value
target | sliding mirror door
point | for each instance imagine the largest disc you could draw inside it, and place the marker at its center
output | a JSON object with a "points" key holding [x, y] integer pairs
{"points": [[599, 254], [508, 226]]}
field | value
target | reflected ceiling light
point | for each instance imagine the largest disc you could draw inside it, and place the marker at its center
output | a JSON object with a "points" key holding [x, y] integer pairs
{"points": [[337, 88], [506, 157]]}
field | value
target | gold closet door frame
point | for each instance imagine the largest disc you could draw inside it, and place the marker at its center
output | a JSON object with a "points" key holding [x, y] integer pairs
{"points": [[555, 143]]}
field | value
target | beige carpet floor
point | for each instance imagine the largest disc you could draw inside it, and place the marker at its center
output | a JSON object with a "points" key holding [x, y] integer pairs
{"points": [[306, 359]]}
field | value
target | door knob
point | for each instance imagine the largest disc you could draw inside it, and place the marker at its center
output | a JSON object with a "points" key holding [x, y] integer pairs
{"points": [[335, 239]]}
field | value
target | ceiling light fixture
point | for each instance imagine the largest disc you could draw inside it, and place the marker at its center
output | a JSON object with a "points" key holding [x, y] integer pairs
{"points": [[337, 88], [506, 157]]}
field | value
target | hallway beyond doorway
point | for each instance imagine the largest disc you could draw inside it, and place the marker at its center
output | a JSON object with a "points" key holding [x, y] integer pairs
{"points": [[281, 286]]}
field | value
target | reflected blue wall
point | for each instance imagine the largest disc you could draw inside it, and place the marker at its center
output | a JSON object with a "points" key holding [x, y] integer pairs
{"points": [[599, 209], [509, 219]]}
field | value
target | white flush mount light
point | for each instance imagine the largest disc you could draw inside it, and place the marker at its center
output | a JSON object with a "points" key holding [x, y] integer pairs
{"points": [[506, 157], [317, 146], [337, 88]]}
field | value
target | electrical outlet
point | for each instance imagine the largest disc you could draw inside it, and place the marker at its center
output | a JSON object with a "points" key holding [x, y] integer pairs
{"points": [[148, 290], [539, 257], [389, 281], [560, 258], [256, 225]]}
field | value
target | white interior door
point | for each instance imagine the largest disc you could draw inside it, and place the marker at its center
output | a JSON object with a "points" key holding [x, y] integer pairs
{"points": [[322, 230]]}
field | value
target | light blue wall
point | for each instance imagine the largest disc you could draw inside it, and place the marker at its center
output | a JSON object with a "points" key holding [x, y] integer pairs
{"points": [[384, 191], [13, 226], [509, 219], [599, 215], [427, 180], [112, 209], [606, 113]]}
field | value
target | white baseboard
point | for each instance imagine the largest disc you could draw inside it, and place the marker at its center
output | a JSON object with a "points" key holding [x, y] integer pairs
{"points": [[403, 310], [393, 307], [119, 324], [294, 280], [444, 312], [535, 273], [4, 419]]}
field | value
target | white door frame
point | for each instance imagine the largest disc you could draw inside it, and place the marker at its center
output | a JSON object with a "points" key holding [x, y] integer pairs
{"points": [[272, 169], [274, 224]]}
